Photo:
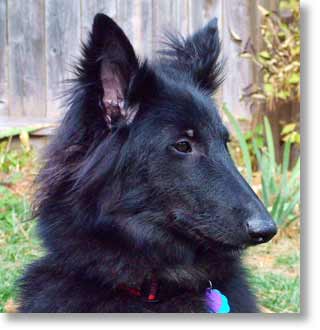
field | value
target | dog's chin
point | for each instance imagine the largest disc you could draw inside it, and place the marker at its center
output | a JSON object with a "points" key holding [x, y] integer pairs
{"points": [[205, 243], [220, 248]]}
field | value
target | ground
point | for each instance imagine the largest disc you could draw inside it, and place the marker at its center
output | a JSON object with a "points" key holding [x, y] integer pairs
{"points": [[273, 268]]}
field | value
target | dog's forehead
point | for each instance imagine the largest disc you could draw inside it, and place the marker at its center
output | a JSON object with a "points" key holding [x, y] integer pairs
{"points": [[194, 111]]}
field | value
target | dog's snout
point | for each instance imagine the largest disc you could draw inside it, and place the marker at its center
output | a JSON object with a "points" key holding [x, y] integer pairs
{"points": [[261, 229]]}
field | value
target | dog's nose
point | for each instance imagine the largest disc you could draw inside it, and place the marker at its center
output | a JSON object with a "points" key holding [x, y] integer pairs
{"points": [[261, 229]]}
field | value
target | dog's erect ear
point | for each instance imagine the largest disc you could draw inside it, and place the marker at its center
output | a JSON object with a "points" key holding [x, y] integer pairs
{"points": [[198, 56], [108, 65]]}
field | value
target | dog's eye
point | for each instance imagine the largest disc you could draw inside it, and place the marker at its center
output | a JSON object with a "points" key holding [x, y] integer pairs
{"points": [[183, 146]]}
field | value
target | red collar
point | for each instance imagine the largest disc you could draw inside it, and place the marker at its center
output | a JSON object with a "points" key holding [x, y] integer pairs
{"points": [[152, 292]]}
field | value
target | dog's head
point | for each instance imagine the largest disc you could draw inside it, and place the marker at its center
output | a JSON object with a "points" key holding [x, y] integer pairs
{"points": [[148, 150]]}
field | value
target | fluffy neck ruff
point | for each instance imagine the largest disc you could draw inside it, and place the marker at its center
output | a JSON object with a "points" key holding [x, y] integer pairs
{"points": [[102, 263]]}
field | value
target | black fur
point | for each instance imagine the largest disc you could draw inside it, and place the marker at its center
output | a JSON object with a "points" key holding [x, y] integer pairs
{"points": [[118, 202]]}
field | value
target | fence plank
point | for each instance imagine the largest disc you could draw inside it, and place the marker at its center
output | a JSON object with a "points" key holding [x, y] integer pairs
{"points": [[135, 18], [63, 35], [164, 19], [27, 70], [196, 15], [91, 7], [239, 74], [3, 60], [182, 16], [125, 16], [141, 22], [213, 8], [144, 35]]}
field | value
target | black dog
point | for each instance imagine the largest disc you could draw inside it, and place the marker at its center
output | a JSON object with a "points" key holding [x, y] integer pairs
{"points": [[140, 206]]}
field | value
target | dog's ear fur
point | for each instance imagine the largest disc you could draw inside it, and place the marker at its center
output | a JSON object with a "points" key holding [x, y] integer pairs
{"points": [[108, 64], [198, 56], [145, 86]]}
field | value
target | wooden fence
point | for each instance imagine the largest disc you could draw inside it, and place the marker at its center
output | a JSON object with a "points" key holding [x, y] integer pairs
{"points": [[40, 39]]}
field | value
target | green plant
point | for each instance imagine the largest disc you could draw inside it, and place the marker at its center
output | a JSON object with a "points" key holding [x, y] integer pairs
{"points": [[279, 60], [18, 243], [243, 143], [276, 292], [280, 189], [289, 133], [12, 160], [289, 261]]}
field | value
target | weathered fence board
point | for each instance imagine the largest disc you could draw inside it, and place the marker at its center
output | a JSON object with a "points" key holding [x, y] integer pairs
{"points": [[40, 39], [196, 13], [182, 16], [236, 31], [4, 110], [138, 20], [62, 28], [163, 19], [146, 37], [27, 67], [90, 7]]}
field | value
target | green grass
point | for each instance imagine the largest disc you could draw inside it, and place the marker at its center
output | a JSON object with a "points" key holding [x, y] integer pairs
{"points": [[18, 244], [277, 292], [274, 274], [290, 261]]}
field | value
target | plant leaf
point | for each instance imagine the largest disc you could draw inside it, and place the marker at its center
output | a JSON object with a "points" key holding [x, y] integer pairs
{"points": [[288, 128], [268, 88], [265, 55], [263, 11], [294, 78], [258, 96], [234, 35], [270, 144], [242, 142], [246, 55]]}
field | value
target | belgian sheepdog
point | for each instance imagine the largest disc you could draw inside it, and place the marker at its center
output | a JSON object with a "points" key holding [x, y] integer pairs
{"points": [[140, 207]]}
